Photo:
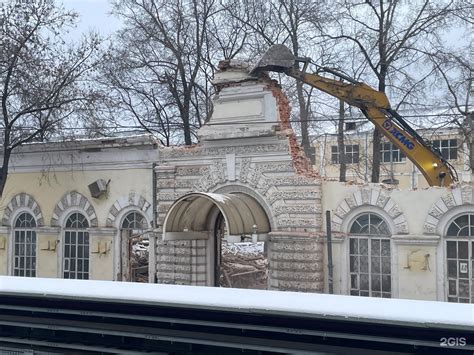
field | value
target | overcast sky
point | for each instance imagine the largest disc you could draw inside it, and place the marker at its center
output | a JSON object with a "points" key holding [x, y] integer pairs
{"points": [[94, 15]]}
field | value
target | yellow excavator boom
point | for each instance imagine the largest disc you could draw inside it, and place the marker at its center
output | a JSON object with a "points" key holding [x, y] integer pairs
{"points": [[375, 106]]}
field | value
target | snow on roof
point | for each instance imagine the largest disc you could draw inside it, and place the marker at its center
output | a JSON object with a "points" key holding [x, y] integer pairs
{"points": [[375, 310], [130, 140], [124, 137]]}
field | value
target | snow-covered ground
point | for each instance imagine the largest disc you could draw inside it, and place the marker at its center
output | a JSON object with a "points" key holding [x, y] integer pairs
{"points": [[376, 310], [245, 248]]}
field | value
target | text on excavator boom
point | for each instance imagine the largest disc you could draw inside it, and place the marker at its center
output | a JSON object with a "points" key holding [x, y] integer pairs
{"points": [[374, 105]]}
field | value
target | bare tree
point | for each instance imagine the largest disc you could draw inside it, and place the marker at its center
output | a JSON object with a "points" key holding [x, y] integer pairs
{"points": [[43, 80], [454, 71], [290, 22], [388, 34], [161, 63], [226, 39], [340, 143]]}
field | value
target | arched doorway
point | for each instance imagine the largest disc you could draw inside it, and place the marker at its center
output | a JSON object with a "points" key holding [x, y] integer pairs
{"points": [[134, 253], [221, 220]]}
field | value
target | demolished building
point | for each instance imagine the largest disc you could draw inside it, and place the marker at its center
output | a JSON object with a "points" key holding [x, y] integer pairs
{"points": [[247, 180]]}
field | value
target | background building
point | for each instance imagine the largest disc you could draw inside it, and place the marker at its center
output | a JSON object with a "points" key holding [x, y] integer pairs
{"points": [[394, 165]]}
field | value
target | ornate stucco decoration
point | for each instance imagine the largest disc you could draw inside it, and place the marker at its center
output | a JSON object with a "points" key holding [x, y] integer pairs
{"points": [[461, 196], [370, 197], [131, 201], [73, 200], [25, 202]]}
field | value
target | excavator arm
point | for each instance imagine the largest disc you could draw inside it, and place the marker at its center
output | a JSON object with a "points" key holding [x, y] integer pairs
{"points": [[375, 106]]}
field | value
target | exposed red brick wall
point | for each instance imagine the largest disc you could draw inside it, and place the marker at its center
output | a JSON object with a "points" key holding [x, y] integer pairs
{"points": [[301, 162]]}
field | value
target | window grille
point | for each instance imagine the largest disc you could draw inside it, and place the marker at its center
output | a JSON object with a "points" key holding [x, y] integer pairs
{"points": [[352, 154], [76, 248], [24, 246], [447, 147], [369, 257], [460, 260], [389, 149], [134, 221]]}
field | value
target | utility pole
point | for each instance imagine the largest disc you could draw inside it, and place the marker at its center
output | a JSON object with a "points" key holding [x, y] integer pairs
{"points": [[340, 143], [392, 176], [471, 141], [329, 245]]}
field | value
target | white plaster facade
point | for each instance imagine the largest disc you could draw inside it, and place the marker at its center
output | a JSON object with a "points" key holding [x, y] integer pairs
{"points": [[418, 221], [244, 153], [50, 182], [247, 148]]}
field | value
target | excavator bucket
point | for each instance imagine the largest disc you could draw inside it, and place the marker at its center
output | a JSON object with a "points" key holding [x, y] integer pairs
{"points": [[277, 58]]}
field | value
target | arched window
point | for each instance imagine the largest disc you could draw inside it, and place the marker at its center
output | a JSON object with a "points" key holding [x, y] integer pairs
{"points": [[369, 254], [134, 221], [370, 224], [24, 246], [460, 260], [76, 247]]}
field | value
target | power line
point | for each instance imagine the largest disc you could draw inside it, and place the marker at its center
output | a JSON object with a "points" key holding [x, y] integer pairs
{"points": [[180, 125]]}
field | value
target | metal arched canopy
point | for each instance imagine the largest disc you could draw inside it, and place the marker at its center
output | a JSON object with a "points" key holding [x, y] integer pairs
{"points": [[188, 217]]}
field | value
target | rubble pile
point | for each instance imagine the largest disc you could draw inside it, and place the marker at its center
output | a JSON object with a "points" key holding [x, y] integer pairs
{"points": [[243, 265], [139, 261]]}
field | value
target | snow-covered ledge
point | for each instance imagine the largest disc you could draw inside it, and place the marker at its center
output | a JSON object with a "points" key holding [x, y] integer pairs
{"points": [[411, 239]]}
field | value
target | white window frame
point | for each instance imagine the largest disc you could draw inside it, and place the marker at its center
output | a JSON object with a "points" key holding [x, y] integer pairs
{"points": [[437, 143], [345, 227], [470, 257], [349, 154], [67, 261], [33, 252], [369, 238], [401, 157], [135, 212], [441, 230]]}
